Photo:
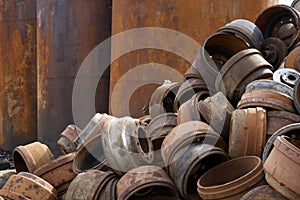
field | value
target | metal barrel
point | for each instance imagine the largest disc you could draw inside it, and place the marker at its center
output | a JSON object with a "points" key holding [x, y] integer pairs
{"points": [[67, 32], [18, 112], [195, 18]]}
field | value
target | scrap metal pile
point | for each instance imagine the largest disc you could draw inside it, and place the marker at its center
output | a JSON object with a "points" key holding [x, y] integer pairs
{"points": [[231, 130]]}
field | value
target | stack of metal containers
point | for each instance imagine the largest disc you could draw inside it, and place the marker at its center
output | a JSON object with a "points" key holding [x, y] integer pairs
{"points": [[230, 130]]}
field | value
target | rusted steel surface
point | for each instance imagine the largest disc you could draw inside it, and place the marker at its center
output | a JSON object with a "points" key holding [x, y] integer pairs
{"points": [[192, 164], [274, 50], [67, 137], [279, 119], [280, 21], [157, 130], [283, 166], [162, 99], [67, 31], [90, 156], [216, 111], [89, 185], [31, 156], [189, 111], [293, 59], [263, 192], [286, 76], [296, 97], [58, 172], [237, 177], [126, 144], [18, 72], [187, 133], [268, 99], [247, 132], [146, 181], [175, 15], [234, 76], [29, 186], [291, 130], [246, 30], [187, 90]]}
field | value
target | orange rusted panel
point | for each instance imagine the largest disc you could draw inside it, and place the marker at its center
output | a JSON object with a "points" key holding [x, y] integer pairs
{"points": [[18, 73], [195, 18], [66, 33]]}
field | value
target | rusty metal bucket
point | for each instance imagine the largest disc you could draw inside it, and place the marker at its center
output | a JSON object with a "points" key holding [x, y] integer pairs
{"points": [[28, 186], [31, 156], [237, 177]]}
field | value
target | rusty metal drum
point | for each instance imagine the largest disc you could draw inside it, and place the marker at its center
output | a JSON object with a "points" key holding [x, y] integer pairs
{"points": [[175, 15], [66, 33], [18, 73]]}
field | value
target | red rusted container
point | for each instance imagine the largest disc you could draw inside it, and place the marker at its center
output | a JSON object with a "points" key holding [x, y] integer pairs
{"points": [[67, 31], [18, 73], [195, 18]]}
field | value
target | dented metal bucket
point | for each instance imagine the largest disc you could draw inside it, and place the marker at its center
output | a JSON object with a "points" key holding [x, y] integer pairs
{"points": [[151, 181], [285, 180], [291, 130], [157, 130], [126, 144], [183, 135], [90, 156], [90, 185], [191, 163], [235, 76], [31, 156], [67, 137], [189, 111], [28, 186], [162, 99], [58, 172], [268, 99], [216, 111], [92, 129], [187, 90], [248, 129], [278, 119], [245, 30], [280, 21], [236, 178]]}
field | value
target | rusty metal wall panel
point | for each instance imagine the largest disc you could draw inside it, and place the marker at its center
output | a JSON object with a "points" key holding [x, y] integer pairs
{"points": [[17, 73], [195, 18], [66, 33]]}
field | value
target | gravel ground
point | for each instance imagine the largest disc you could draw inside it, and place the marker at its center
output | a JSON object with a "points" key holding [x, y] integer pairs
{"points": [[6, 161]]}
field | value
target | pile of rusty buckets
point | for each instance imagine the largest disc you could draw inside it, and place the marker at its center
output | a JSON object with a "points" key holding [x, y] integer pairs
{"points": [[230, 130]]}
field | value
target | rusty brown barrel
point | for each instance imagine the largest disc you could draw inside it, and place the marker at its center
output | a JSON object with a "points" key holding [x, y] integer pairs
{"points": [[67, 32], [194, 18], [18, 73]]}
